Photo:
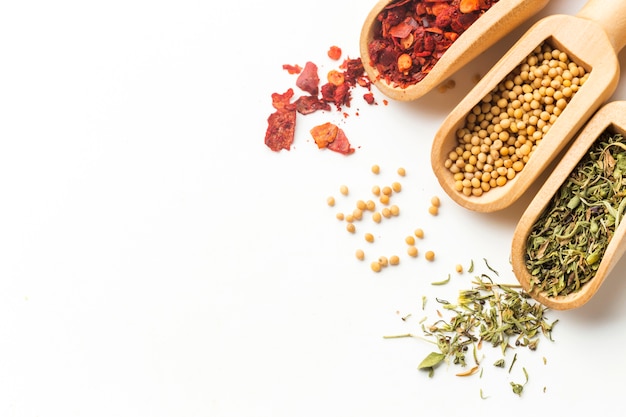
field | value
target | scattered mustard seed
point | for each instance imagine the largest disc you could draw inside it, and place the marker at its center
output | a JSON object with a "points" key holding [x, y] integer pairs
{"points": [[360, 255], [331, 201], [340, 216], [383, 261], [369, 237], [343, 189], [394, 260], [376, 267], [401, 172], [434, 210], [350, 227], [410, 240], [377, 217], [376, 169], [430, 255], [396, 187], [412, 251], [419, 233]]}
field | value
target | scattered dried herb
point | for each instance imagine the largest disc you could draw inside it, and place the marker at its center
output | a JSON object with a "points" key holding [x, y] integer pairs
{"points": [[568, 241], [413, 35], [502, 315]]}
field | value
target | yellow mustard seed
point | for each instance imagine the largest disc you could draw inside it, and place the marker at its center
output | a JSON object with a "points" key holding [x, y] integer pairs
{"points": [[396, 187], [350, 218], [383, 261], [343, 189], [350, 227], [376, 267], [412, 251], [384, 199], [369, 237], [394, 260], [435, 201], [376, 169], [419, 233], [357, 214], [401, 172], [459, 268], [410, 240], [340, 216], [377, 217], [430, 255], [395, 210], [360, 255], [330, 201], [360, 204], [376, 190], [387, 190], [386, 212], [434, 210], [370, 205]]}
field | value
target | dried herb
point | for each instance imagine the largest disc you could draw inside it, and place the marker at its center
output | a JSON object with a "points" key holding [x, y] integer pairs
{"points": [[412, 36], [518, 388], [569, 239]]}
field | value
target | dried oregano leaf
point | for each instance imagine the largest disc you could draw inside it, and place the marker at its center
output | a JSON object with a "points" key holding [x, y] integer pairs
{"points": [[432, 360]]}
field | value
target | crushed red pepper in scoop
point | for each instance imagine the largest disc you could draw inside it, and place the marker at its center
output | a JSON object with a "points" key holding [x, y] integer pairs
{"points": [[337, 91], [414, 34]]}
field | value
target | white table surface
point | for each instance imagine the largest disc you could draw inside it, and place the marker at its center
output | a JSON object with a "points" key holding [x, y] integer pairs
{"points": [[157, 259]]}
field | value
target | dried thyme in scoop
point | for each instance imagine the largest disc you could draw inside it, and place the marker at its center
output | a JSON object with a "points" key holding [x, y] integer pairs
{"points": [[568, 241]]}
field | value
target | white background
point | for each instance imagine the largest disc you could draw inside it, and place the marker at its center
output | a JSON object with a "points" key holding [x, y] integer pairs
{"points": [[157, 259]]}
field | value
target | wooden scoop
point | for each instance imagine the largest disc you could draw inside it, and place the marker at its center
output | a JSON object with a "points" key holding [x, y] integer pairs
{"points": [[592, 39], [492, 26], [612, 117]]}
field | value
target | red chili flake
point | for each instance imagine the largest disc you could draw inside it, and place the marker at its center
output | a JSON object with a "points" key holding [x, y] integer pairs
{"points": [[334, 53], [292, 69], [308, 80], [324, 134], [369, 98], [330, 136], [281, 124], [421, 30], [341, 144], [310, 104], [337, 91]]}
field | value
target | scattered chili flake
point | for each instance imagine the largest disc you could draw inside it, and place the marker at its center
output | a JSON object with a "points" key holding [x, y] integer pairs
{"points": [[308, 80], [334, 53], [414, 34], [292, 69], [282, 123], [337, 92], [332, 137], [341, 144], [324, 134]]}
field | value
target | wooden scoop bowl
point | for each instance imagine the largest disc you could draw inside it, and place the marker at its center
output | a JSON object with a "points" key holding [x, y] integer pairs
{"points": [[592, 38], [492, 26], [612, 117]]}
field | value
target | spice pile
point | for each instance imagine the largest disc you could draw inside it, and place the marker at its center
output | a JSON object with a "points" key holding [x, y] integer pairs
{"points": [[503, 131], [502, 316], [414, 34], [368, 207], [568, 241], [335, 93]]}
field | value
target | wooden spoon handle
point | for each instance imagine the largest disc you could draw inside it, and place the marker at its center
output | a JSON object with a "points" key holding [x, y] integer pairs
{"points": [[611, 15]]}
